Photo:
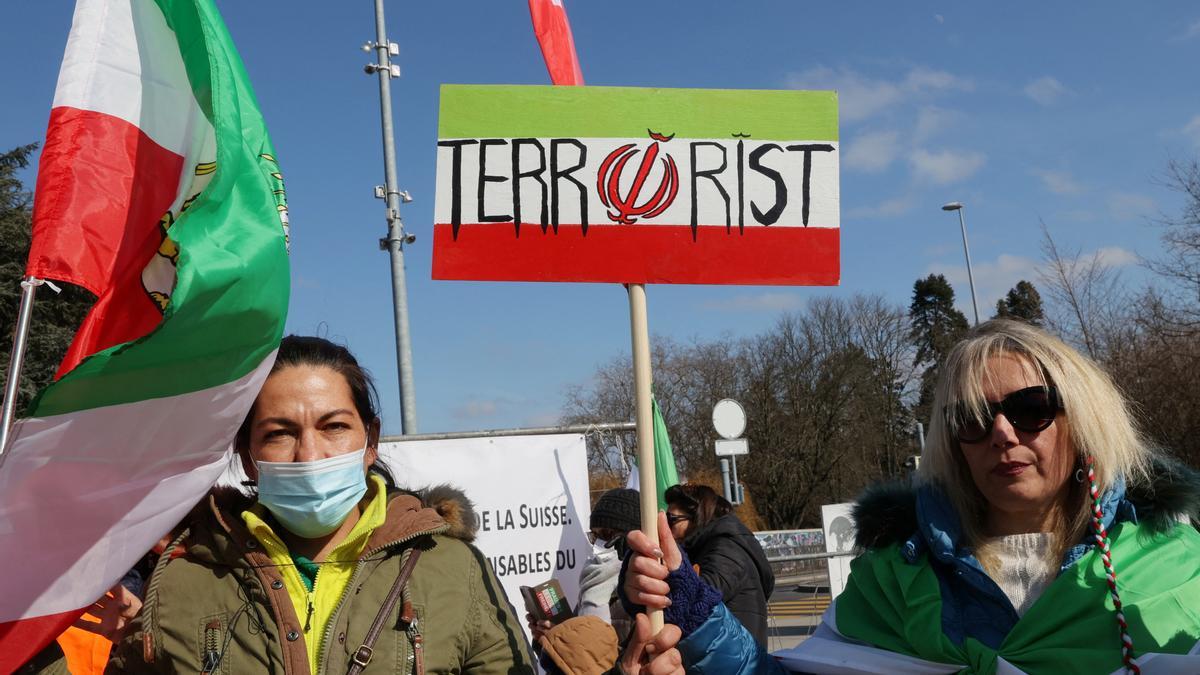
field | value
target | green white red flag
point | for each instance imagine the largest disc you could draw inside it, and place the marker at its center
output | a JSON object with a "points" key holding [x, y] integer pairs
{"points": [[159, 191], [637, 185]]}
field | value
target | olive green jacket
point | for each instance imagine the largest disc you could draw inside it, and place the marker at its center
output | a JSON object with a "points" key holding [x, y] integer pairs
{"points": [[222, 607]]}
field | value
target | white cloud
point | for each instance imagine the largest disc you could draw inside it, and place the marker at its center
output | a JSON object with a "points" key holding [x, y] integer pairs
{"points": [[1046, 90], [920, 80], [861, 96], [1193, 30], [1115, 256], [545, 418], [770, 301], [994, 278], [885, 209], [945, 167], [1058, 182], [475, 408], [939, 18], [872, 152], [931, 121], [1078, 216], [1192, 130], [1127, 205]]}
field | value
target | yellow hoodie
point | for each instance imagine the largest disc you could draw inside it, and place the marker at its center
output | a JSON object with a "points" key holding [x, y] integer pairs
{"points": [[316, 607]]}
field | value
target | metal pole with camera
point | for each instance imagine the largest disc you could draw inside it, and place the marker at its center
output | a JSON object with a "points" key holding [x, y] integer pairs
{"points": [[393, 196]]}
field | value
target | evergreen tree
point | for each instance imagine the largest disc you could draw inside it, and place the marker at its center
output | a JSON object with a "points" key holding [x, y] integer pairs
{"points": [[1022, 303], [936, 327], [55, 317]]}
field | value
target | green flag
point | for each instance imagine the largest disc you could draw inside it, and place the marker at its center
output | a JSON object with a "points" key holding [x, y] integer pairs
{"points": [[665, 473]]}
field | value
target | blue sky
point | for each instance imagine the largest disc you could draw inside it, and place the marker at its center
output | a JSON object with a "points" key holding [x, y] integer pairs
{"points": [[1025, 112]]}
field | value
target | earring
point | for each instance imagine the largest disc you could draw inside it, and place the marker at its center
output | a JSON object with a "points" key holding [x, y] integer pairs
{"points": [[1078, 475]]}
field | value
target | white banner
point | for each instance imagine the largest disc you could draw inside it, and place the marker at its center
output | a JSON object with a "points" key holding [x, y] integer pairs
{"points": [[531, 496]]}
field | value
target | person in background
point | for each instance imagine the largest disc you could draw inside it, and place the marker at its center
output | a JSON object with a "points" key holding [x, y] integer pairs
{"points": [[726, 552], [616, 513]]}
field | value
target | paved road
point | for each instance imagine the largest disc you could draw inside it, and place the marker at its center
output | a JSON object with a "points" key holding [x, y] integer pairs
{"points": [[794, 614]]}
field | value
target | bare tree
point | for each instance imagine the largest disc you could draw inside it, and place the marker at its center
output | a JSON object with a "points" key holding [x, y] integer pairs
{"points": [[1179, 266], [1087, 293], [828, 394]]}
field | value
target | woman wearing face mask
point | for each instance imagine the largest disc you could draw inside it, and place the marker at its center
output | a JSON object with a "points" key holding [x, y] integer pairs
{"points": [[326, 568]]}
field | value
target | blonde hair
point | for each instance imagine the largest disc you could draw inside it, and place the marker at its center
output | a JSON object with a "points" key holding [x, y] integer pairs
{"points": [[1097, 423]]}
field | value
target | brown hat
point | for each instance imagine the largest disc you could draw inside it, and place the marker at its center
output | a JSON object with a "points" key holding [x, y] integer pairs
{"points": [[582, 645]]}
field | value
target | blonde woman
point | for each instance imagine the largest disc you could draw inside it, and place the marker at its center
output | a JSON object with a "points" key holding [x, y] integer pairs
{"points": [[1044, 535]]}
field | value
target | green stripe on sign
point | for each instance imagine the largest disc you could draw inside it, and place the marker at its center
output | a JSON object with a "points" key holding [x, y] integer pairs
{"points": [[489, 111], [230, 301]]}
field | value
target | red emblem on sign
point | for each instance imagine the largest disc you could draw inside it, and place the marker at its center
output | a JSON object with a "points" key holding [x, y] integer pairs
{"points": [[625, 210]]}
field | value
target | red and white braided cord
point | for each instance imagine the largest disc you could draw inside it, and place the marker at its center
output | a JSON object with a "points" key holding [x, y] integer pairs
{"points": [[1101, 536]]}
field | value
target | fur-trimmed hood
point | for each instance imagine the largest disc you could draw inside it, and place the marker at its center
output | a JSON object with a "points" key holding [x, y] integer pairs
{"points": [[887, 513], [453, 505]]}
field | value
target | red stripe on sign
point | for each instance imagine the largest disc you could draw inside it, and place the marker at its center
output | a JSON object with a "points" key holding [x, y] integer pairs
{"points": [[23, 639], [102, 187], [639, 254]]}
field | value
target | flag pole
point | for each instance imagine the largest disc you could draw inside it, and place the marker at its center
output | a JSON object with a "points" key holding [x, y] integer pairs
{"points": [[16, 360], [640, 333]]}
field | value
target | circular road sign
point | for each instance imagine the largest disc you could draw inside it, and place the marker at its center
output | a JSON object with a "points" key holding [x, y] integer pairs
{"points": [[729, 418]]}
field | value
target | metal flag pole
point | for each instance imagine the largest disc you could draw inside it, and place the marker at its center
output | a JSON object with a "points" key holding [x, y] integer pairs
{"points": [[640, 332], [16, 360], [396, 238]]}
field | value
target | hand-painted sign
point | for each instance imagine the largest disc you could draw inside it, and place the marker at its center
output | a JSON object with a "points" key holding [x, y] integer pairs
{"points": [[614, 184]]}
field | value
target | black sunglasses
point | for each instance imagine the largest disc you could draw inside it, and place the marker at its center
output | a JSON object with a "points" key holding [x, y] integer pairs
{"points": [[1030, 410], [673, 518]]}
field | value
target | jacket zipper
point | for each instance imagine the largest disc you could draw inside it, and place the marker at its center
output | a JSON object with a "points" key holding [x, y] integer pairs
{"points": [[212, 658], [417, 656], [328, 636], [311, 596]]}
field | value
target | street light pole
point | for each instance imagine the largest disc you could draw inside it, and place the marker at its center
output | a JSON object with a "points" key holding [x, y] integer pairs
{"points": [[962, 224], [396, 237]]}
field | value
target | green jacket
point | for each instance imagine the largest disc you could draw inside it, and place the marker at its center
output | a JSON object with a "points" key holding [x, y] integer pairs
{"points": [[221, 607]]}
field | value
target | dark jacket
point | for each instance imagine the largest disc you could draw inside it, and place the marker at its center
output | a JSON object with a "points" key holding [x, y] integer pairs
{"points": [[732, 561]]}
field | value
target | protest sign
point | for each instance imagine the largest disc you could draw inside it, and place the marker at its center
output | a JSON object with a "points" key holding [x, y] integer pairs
{"points": [[631, 185], [530, 494]]}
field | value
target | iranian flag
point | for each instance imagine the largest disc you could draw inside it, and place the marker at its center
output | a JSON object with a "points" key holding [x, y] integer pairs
{"points": [[637, 185], [157, 190]]}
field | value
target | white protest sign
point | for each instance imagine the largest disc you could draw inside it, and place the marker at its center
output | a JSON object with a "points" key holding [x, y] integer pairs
{"points": [[531, 496], [838, 524]]}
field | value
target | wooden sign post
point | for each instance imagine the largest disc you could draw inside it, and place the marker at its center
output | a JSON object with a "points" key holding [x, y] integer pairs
{"points": [[637, 186]]}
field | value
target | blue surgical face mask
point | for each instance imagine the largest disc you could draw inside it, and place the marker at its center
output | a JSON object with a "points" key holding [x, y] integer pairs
{"points": [[311, 499]]}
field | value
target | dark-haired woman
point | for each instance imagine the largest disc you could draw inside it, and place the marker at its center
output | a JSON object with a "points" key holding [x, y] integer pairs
{"points": [[327, 567], [728, 555]]}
